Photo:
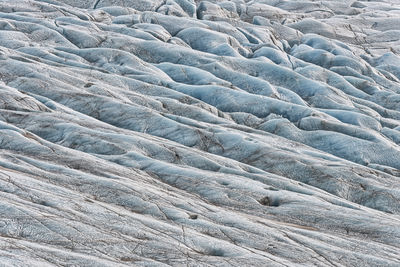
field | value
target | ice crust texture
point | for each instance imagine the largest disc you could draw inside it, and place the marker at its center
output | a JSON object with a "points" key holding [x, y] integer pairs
{"points": [[199, 133]]}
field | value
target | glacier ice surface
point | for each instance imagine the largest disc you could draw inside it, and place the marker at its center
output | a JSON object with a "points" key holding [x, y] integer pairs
{"points": [[199, 133]]}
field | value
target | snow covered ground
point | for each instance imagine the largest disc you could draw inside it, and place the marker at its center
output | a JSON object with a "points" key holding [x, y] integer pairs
{"points": [[199, 133]]}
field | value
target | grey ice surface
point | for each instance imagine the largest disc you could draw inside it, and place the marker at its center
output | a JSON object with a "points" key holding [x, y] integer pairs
{"points": [[199, 133]]}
